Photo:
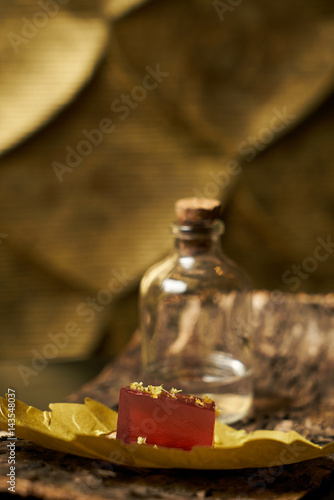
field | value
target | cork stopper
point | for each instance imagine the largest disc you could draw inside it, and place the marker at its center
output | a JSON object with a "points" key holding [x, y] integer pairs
{"points": [[197, 211]]}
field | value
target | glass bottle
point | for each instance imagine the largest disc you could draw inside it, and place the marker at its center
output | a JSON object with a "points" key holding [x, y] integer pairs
{"points": [[195, 310]]}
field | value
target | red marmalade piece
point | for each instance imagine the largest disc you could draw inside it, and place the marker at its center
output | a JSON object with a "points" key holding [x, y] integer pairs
{"points": [[155, 416]]}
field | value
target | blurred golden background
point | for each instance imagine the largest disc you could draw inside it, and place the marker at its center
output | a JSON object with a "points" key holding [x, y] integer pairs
{"points": [[110, 111]]}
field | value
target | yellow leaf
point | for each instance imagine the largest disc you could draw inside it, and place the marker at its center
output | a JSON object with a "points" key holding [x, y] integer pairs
{"points": [[84, 429]]}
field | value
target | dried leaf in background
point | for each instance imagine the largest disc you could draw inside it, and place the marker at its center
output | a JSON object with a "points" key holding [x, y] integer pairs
{"points": [[45, 59]]}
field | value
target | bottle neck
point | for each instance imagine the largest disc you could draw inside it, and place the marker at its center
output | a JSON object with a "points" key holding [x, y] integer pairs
{"points": [[195, 240]]}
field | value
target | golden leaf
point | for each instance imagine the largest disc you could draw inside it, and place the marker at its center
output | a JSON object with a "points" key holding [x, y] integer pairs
{"points": [[86, 430]]}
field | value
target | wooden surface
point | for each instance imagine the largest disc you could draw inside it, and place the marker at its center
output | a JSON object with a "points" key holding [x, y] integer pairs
{"points": [[50, 475]]}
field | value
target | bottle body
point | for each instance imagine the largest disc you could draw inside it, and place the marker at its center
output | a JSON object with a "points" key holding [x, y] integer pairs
{"points": [[195, 307]]}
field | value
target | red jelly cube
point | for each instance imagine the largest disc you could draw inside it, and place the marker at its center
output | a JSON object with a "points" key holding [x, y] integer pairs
{"points": [[164, 418]]}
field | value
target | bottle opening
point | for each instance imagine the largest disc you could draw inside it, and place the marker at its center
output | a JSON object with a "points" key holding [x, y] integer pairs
{"points": [[189, 232]]}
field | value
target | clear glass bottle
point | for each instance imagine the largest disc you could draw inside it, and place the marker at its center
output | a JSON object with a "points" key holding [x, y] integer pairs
{"points": [[195, 310]]}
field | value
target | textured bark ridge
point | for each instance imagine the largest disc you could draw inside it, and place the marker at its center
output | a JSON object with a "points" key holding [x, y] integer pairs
{"points": [[294, 339]]}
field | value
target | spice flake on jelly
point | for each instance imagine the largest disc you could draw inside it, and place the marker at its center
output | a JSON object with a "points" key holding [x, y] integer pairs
{"points": [[154, 416]]}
